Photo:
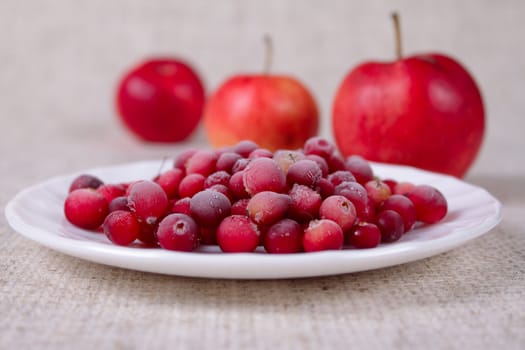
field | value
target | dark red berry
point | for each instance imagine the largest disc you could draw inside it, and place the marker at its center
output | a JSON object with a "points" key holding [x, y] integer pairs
{"points": [[121, 227], [178, 232], [390, 224], [340, 210], [86, 208], [85, 181], [431, 205], [364, 235], [208, 208], [148, 201], [285, 236]]}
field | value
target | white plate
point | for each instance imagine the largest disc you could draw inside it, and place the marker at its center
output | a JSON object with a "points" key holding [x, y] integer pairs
{"points": [[37, 213]]}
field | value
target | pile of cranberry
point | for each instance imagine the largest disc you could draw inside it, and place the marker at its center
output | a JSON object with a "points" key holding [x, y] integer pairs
{"points": [[243, 196]]}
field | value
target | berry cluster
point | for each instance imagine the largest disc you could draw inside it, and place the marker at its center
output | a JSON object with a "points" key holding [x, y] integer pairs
{"points": [[243, 196]]}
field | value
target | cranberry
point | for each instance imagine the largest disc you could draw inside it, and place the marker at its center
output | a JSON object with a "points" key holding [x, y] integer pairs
{"points": [[182, 159], [404, 207], [148, 234], [245, 147], [305, 203], [237, 233], [340, 210], [285, 158], [85, 181], [431, 205], [340, 176], [263, 174], [181, 206], [357, 194], [170, 181], [178, 232], [360, 168], [322, 234], [403, 188], [86, 208], [285, 236], [208, 208], [319, 146], [320, 161], [260, 152], [390, 224], [364, 235], [112, 191], [202, 162], [226, 161], [148, 201], [217, 178], [304, 172], [121, 227], [240, 207], [119, 203], [266, 208], [191, 184], [378, 191]]}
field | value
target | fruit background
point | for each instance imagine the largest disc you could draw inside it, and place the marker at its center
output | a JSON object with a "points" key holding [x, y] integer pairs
{"points": [[60, 62]]}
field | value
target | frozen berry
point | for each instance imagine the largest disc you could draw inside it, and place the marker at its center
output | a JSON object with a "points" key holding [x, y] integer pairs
{"points": [[403, 188], [236, 185], [285, 158], [305, 203], [340, 210], [119, 203], [240, 207], [181, 206], [340, 176], [335, 162], [182, 158], [217, 178], [208, 208], [86, 208], [266, 208], [148, 201], [360, 168], [111, 191], [285, 236], [260, 152], [357, 194], [304, 172], [237, 233], [319, 146], [263, 174], [85, 181], [191, 184], [202, 162], [322, 235], [121, 227], [320, 161], [170, 181], [226, 161], [378, 191], [178, 232], [245, 147]]}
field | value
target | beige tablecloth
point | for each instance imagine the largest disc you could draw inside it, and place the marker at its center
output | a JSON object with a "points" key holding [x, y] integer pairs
{"points": [[59, 62]]}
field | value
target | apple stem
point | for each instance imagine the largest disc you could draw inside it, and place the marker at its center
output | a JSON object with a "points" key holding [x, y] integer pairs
{"points": [[397, 29], [268, 53]]}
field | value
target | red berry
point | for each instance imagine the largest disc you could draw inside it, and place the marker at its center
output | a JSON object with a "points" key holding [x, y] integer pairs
{"points": [[240, 207], [403, 188], [237, 234], [360, 168], [85, 181], [170, 181], [320, 161], [285, 158], [266, 208], [390, 224], [217, 178], [121, 227], [260, 152], [340, 210], [378, 191], [148, 201], [364, 235], [340, 176], [304, 172], [319, 146], [226, 161], [182, 158], [245, 147], [305, 203], [431, 205], [148, 234], [86, 208], [322, 235], [181, 206], [404, 207], [208, 208], [357, 194], [191, 184], [178, 232], [263, 174], [283, 237], [236, 185], [112, 191], [119, 203], [202, 162]]}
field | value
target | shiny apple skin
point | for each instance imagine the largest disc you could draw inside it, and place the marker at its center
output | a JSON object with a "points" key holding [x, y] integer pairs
{"points": [[425, 111], [277, 112], [161, 100]]}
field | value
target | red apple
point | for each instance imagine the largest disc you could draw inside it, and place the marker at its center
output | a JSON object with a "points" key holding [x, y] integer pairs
{"points": [[424, 110], [275, 111], [161, 100]]}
